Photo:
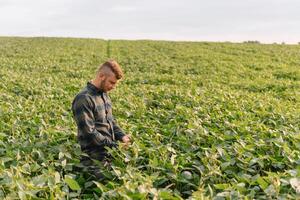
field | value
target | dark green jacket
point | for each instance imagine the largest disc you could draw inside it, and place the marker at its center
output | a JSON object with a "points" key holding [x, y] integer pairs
{"points": [[97, 128]]}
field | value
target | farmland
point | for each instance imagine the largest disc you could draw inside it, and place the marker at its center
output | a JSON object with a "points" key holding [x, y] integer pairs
{"points": [[208, 120]]}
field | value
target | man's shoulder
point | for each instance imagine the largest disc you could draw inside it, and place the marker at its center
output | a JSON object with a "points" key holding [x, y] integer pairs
{"points": [[106, 95], [84, 96]]}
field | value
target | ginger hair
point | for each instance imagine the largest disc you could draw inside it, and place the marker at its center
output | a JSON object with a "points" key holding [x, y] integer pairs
{"points": [[113, 66]]}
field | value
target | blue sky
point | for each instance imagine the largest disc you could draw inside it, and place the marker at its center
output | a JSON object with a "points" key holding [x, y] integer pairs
{"points": [[267, 21]]}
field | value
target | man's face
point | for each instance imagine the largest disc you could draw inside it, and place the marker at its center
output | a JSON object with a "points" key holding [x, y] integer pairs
{"points": [[108, 83]]}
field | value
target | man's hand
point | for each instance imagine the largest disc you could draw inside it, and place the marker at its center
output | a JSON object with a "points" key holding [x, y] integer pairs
{"points": [[126, 139]]}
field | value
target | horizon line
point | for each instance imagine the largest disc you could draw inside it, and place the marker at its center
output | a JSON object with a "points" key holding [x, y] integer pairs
{"points": [[254, 41]]}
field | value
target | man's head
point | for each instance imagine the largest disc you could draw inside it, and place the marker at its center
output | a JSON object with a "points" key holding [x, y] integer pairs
{"points": [[108, 75]]}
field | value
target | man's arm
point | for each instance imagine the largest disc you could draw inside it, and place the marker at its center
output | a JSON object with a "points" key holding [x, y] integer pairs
{"points": [[119, 135], [84, 117], [117, 130]]}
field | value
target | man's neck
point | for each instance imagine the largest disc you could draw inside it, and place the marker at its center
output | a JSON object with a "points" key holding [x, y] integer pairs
{"points": [[95, 83]]}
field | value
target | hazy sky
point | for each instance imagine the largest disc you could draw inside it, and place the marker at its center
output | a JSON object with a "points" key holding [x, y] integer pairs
{"points": [[201, 20]]}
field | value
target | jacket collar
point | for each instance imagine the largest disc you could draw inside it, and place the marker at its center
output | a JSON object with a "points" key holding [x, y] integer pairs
{"points": [[93, 88]]}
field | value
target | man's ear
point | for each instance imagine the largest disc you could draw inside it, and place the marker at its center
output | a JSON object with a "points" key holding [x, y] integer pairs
{"points": [[101, 77]]}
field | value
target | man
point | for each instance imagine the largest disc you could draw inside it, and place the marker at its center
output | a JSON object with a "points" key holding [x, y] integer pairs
{"points": [[92, 110]]}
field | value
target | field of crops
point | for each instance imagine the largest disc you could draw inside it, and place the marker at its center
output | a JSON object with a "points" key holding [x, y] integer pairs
{"points": [[209, 120]]}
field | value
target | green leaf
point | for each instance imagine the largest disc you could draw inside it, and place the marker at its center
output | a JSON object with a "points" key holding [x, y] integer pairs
{"points": [[72, 183], [100, 186], [166, 195], [39, 180], [222, 186], [262, 183]]}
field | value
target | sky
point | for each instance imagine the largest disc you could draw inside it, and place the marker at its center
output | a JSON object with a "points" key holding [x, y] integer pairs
{"points": [[267, 21]]}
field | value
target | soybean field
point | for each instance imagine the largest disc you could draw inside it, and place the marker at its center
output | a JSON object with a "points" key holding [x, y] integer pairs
{"points": [[209, 120]]}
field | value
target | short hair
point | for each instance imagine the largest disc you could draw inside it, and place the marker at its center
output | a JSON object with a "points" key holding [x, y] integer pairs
{"points": [[113, 66]]}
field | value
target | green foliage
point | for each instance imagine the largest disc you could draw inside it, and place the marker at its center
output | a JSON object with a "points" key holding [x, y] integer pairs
{"points": [[209, 120], [72, 183]]}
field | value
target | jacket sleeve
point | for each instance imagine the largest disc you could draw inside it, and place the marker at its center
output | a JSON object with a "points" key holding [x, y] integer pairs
{"points": [[117, 130], [82, 108]]}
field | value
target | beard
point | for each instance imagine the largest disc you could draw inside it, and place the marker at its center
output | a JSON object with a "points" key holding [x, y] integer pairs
{"points": [[102, 85]]}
